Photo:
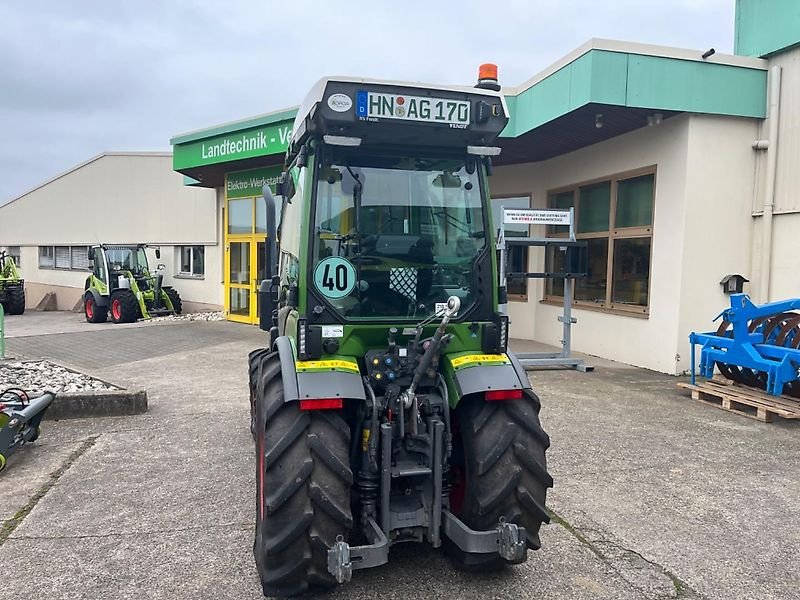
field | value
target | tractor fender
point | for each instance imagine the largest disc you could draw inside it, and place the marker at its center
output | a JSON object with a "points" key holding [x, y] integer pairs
{"points": [[312, 385], [288, 371], [521, 372], [99, 299], [486, 377]]}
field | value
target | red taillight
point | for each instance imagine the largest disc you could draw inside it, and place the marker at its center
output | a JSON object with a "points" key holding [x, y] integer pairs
{"points": [[493, 395], [320, 403]]}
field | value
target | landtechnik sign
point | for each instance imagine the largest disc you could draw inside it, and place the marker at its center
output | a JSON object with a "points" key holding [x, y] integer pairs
{"points": [[257, 141]]}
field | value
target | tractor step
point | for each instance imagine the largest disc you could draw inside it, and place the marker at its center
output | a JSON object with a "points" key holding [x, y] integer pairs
{"points": [[744, 401]]}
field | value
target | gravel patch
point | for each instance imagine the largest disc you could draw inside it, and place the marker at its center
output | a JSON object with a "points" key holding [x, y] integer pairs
{"points": [[198, 316], [38, 377]]}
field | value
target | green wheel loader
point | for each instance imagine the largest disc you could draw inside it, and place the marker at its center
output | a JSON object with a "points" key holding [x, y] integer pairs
{"points": [[122, 285], [386, 407], [12, 286]]}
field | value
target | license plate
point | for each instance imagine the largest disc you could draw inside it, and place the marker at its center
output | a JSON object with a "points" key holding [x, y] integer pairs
{"points": [[372, 105]]}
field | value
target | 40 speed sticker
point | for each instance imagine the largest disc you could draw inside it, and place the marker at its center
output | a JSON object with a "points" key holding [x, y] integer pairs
{"points": [[335, 277], [478, 359]]}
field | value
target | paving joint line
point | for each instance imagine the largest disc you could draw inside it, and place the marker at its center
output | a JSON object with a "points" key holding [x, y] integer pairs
{"points": [[681, 588], [8, 527], [94, 536]]}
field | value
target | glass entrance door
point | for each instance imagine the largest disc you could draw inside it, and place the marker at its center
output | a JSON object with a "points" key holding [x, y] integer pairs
{"points": [[240, 287], [244, 248]]}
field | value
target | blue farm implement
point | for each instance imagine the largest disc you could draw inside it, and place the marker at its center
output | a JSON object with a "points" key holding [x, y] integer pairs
{"points": [[756, 345], [20, 418]]}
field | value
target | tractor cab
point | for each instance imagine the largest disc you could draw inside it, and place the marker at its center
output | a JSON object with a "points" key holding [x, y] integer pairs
{"points": [[109, 263], [419, 233], [387, 202], [122, 285]]}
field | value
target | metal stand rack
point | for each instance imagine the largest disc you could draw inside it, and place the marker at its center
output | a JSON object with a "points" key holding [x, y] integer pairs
{"points": [[575, 266]]}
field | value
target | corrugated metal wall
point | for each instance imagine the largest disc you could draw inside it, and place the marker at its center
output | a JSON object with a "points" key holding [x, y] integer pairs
{"points": [[787, 184]]}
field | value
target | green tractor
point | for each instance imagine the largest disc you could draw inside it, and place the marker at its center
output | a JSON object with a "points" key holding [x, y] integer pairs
{"points": [[386, 407], [122, 285], [12, 286]]}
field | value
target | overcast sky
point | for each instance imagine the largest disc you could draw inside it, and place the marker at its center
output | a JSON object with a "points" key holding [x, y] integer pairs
{"points": [[79, 77]]}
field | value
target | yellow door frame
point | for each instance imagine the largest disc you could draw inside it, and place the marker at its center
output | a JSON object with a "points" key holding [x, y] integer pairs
{"points": [[253, 240]]}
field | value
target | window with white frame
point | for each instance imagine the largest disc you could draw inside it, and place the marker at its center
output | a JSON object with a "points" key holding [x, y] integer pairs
{"points": [[70, 258], [79, 259], [62, 257], [15, 253], [47, 257], [191, 261]]}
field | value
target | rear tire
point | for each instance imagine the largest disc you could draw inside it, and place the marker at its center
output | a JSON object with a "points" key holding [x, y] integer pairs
{"points": [[255, 359], [303, 482], [15, 305], [505, 471], [175, 298], [123, 306], [93, 312]]}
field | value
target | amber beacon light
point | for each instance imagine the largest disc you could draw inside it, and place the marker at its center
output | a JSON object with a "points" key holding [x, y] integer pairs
{"points": [[487, 77]]}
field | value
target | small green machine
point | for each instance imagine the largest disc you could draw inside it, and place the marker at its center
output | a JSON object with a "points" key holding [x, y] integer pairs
{"points": [[122, 285], [385, 406], [20, 420], [12, 286]]}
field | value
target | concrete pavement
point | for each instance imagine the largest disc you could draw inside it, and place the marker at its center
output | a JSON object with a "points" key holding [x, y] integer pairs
{"points": [[49, 322], [655, 496]]}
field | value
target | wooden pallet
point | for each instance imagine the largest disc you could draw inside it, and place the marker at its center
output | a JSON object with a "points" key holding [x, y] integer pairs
{"points": [[745, 401]]}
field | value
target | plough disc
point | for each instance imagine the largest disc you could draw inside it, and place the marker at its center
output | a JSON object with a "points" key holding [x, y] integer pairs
{"points": [[778, 330]]}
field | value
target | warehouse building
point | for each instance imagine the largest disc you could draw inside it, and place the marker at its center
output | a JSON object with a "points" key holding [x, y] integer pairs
{"points": [[680, 164], [115, 198]]}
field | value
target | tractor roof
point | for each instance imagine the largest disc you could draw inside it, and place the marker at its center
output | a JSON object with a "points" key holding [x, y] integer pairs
{"points": [[400, 113]]}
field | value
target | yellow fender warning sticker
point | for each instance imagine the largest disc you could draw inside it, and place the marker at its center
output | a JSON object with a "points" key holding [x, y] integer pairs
{"points": [[478, 359], [321, 365]]}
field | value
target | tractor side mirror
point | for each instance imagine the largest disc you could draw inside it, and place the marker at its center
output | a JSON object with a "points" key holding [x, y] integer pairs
{"points": [[266, 301], [280, 186], [91, 253], [158, 253], [302, 157]]}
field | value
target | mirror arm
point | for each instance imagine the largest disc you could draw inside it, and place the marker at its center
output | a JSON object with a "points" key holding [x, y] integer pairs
{"points": [[265, 293]]}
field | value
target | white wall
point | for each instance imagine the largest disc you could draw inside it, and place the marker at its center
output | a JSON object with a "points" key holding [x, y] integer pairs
{"points": [[208, 290], [785, 263], [718, 225], [787, 182], [115, 198], [643, 342], [785, 274]]}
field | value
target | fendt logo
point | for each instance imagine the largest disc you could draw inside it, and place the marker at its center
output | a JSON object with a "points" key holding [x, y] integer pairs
{"points": [[340, 102]]}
